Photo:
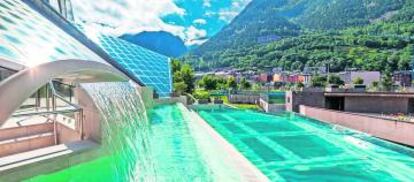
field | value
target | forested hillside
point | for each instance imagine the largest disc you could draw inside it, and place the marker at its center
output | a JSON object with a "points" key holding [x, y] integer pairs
{"points": [[368, 34]]}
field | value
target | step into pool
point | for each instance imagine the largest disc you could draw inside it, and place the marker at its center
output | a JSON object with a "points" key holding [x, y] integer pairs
{"points": [[289, 147]]}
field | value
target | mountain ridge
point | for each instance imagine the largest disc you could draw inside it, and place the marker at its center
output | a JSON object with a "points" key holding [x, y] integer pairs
{"points": [[159, 41], [288, 18], [376, 36]]}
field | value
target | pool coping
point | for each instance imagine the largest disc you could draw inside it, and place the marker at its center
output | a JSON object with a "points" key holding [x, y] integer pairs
{"points": [[246, 168]]}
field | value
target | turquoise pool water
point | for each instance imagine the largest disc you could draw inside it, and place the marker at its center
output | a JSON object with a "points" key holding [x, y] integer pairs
{"points": [[288, 147], [167, 153], [160, 144]]}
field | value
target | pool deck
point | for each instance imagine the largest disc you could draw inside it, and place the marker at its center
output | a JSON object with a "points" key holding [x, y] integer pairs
{"points": [[45, 160], [235, 159]]}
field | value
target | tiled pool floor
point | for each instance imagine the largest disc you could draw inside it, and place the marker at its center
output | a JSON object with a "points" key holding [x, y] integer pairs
{"points": [[288, 147]]}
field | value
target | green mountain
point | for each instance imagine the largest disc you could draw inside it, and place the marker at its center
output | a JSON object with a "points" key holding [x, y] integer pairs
{"points": [[296, 33], [251, 24]]}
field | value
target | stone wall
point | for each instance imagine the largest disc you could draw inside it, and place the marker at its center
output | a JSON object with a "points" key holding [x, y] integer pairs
{"points": [[396, 131]]}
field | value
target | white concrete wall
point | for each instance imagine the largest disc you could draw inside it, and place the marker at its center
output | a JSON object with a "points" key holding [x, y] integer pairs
{"points": [[396, 131], [271, 108]]}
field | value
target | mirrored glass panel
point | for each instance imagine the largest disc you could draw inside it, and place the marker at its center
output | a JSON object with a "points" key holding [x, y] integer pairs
{"points": [[28, 38]]}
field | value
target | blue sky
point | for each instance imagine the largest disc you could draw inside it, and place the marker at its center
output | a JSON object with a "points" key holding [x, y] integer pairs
{"points": [[192, 20]]}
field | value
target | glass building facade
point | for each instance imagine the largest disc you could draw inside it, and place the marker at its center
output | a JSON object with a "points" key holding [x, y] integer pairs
{"points": [[64, 7], [28, 38], [151, 68]]}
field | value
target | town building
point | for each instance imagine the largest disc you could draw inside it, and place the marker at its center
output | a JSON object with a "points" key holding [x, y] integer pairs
{"points": [[293, 78], [306, 79], [402, 78], [352, 101], [381, 114], [315, 70], [368, 76], [278, 77], [265, 77]]}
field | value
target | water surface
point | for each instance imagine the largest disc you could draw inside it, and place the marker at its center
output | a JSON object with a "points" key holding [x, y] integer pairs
{"points": [[287, 147]]}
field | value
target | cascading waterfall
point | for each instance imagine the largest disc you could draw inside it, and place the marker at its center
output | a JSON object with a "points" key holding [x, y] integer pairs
{"points": [[125, 129], [136, 148]]}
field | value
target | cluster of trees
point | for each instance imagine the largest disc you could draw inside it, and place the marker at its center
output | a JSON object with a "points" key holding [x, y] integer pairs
{"points": [[322, 81], [183, 77], [184, 80], [212, 82]]}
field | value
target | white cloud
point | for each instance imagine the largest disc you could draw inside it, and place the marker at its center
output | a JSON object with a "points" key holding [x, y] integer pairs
{"points": [[200, 21], [196, 42], [129, 16], [133, 16], [194, 35], [207, 3], [236, 7], [228, 13], [239, 4]]}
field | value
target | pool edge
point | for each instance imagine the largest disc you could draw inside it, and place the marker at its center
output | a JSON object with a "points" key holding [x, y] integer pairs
{"points": [[247, 169]]}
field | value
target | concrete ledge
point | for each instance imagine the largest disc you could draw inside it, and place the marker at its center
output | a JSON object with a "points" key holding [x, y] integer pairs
{"points": [[395, 131], [226, 151], [14, 132], [271, 108], [172, 100], [26, 143], [371, 94], [46, 160]]}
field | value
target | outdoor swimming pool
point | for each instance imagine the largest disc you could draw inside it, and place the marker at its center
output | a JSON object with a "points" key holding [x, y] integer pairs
{"points": [[165, 152], [288, 147], [159, 147]]}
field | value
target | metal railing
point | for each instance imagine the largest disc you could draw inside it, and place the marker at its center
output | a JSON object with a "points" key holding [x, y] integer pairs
{"points": [[72, 108], [195, 101]]}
